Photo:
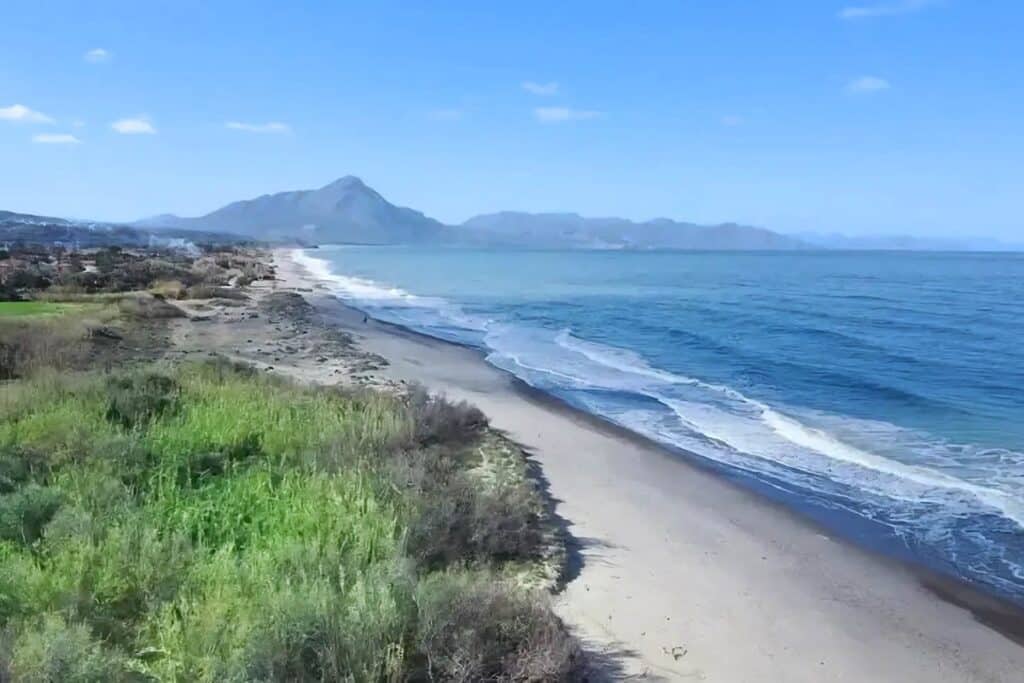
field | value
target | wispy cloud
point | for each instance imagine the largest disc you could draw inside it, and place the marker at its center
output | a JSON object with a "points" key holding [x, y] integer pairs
{"points": [[887, 9], [55, 139], [563, 114], [732, 120], [544, 89], [97, 55], [139, 125], [269, 127], [865, 85], [19, 113], [446, 114]]}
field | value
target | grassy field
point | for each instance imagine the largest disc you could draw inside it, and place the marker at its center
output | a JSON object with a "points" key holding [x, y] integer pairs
{"points": [[21, 309], [204, 523]]}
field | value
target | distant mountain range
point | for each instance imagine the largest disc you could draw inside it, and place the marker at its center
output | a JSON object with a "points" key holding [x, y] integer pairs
{"points": [[905, 243], [510, 228], [348, 211]]}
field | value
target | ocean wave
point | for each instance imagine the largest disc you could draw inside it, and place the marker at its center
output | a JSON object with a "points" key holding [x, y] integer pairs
{"points": [[730, 427], [395, 304], [358, 288]]}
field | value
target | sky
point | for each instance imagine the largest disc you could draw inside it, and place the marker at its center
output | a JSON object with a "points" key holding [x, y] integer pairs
{"points": [[864, 117]]}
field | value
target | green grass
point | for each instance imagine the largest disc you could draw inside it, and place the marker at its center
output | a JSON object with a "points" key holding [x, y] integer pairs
{"points": [[21, 309], [206, 523]]}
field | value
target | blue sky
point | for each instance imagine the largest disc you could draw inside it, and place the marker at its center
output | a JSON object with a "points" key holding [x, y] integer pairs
{"points": [[863, 117]]}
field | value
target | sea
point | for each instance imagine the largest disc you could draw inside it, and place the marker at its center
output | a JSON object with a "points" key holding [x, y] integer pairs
{"points": [[880, 394]]}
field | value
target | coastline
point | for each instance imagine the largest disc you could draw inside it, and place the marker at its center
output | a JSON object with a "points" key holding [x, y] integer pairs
{"points": [[681, 574]]}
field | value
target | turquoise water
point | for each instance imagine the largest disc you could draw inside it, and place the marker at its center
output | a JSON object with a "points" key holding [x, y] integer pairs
{"points": [[882, 394]]}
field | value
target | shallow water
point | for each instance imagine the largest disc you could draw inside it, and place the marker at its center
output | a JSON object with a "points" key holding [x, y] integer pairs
{"points": [[880, 393]]}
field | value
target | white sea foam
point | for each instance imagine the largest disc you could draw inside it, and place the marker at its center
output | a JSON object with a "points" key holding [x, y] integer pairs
{"points": [[734, 428], [356, 288]]}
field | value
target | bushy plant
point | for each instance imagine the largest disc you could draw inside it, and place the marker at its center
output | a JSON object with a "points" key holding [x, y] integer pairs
{"points": [[474, 628], [438, 420], [25, 512], [53, 650], [135, 399]]}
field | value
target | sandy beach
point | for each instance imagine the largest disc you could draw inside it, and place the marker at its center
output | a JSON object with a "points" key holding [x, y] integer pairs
{"points": [[676, 573]]}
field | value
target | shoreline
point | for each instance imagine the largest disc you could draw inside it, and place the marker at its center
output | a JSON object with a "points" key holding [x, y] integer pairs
{"points": [[995, 611], [684, 574]]}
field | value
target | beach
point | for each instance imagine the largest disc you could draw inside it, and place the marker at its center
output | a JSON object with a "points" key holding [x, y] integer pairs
{"points": [[675, 573]]}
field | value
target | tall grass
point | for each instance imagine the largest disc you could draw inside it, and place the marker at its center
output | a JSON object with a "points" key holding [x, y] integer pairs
{"points": [[56, 339], [206, 523]]}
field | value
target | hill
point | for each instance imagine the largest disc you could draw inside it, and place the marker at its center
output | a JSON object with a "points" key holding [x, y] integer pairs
{"points": [[570, 230]]}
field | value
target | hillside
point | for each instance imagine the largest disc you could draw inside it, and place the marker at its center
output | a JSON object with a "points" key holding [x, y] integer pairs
{"points": [[23, 228]]}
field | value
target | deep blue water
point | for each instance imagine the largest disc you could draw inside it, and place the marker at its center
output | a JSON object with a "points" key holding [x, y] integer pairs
{"points": [[880, 393]]}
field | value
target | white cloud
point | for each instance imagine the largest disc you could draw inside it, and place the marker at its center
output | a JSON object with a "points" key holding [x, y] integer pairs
{"points": [[55, 139], [732, 120], [97, 55], [885, 9], [562, 114], [22, 114], [137, 126], [866, 85], [544, 89], [269, 127]]}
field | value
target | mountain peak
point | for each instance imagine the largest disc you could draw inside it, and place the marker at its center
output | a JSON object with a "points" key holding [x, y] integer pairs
{"points": [[349, 182]]}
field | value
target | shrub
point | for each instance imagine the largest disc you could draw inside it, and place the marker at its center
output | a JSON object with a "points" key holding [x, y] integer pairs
{"points": [[149, 307], [458, 518], [29, 345], [168, 289], [54, 650], [473, 628], [439, 421], [201, 291], [25, 512], [134, 400]]}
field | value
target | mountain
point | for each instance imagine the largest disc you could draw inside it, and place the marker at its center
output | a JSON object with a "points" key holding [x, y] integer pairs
{"points": [[349, 211], [570, 230], [343, 211]]}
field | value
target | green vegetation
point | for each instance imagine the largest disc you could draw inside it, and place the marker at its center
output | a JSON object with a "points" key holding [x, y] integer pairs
{"points": [[203, 522], [19, 309]]}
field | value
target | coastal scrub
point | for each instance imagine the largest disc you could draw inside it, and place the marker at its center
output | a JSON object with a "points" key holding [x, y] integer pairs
{"points": [[204, 522]]}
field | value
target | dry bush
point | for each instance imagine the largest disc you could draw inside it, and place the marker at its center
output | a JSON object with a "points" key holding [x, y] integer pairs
{"points": [[168, 289], [201, 291], [457, 518], [474, 628], [149, 307], [27, 346], [207, 271], [440, 421]]}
